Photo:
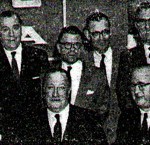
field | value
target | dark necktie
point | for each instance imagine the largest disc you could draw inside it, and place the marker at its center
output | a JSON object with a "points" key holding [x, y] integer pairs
{"points": [[144, 129], [14, 66], [57, 130], [69, 69], [103, 68]]}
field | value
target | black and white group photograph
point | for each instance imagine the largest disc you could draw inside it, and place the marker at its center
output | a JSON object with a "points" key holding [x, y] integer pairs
{"points": [[74, 72]]}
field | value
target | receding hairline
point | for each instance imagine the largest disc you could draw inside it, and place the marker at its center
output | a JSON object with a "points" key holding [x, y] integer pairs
{"points": [[10, 14], [144, 69]]}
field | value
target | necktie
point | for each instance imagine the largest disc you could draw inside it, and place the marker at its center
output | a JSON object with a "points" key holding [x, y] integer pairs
{"points": [[144, 129], [57, 130], [14, 66], [69, 69], [103, 68]]}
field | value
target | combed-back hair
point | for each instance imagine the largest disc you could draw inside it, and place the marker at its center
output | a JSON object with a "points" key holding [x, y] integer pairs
{"points": [[70, 30], [9, 13], [96, 16]]}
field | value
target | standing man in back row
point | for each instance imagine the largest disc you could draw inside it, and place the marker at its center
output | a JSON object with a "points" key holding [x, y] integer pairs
{"points": [[20, 68], [88, 88], [97, 31]]}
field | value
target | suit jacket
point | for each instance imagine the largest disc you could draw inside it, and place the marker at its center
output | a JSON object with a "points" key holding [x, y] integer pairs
{"points": [[82, 128], [110, 124], [93, 92], [129, 128], [128, 60], [17, 98]]}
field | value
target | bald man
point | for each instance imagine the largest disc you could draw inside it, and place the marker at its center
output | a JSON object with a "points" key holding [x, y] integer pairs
{"points": [[134, 124]]}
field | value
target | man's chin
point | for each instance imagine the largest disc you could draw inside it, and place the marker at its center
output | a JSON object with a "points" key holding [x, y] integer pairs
{"points": [[71, 61]]}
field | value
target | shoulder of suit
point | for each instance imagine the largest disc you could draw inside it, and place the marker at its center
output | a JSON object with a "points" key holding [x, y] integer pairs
{"points": [[34, 51]]}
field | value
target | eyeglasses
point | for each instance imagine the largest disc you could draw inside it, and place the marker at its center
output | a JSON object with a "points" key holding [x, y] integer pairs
{"points": [[103, 33], [143, 22], [68, 45], [141, 86]]}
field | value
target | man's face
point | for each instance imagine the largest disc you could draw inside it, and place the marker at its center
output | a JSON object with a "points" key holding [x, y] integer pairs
{"points": [[70, 47], [57, 91], [99, 33], [141, 88], [143, 25], [10, 32]]}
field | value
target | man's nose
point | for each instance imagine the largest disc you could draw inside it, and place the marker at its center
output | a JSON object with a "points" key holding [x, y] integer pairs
{"points": [[55, 92], [147, 25], [72, 48], [11, 33], [137, 90]]}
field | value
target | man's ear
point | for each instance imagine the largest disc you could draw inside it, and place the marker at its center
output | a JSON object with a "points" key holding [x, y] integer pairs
{"points": [[58, 47], [87, 33]]}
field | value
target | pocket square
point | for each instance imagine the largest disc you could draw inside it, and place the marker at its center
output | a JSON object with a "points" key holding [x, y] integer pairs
{"points": [[37, 77], [89, 92]]}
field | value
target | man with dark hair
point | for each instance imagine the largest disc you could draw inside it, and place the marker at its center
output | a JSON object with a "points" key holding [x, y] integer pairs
{"points": [[19, 75], [62, 123], [134, 123], [97, 31], [88, 88]]}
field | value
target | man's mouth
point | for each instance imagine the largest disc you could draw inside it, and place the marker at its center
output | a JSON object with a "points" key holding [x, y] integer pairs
{"points": [[55, 99]]}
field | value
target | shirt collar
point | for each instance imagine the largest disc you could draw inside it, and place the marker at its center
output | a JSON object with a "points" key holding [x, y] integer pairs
{"points": [[74, 65], [108, 53], [142, 111], [146, 46], [61, 113], [18, 50]]}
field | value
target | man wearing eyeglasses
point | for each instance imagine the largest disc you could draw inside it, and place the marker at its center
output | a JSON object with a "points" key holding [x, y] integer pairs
{"points": [[134, 124], [88, 89], [142, 23], [135, 57], [97, 31]]}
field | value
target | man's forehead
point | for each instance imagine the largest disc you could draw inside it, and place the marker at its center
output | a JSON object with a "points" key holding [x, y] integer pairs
{"points": [[5, 20], [99, 25], [144, 13], [141, 75], [68, 37], [56, 77]]}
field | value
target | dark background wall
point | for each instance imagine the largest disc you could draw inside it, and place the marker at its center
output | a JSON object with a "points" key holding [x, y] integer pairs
{"points": [[47, 20]]}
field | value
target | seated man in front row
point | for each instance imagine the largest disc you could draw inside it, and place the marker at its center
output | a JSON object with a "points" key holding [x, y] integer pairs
{"points": [[134, 124], [62, 123]]}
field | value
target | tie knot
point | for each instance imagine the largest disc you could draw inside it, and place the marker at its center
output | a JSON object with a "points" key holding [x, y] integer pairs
{"points": [[13, 54], [69, 68], [145, 115], [103, 56], [57, 117]]}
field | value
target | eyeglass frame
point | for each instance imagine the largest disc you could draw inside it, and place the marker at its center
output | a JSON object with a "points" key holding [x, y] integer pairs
{"points": [[101, 33], [72, 45], [141, 86]]}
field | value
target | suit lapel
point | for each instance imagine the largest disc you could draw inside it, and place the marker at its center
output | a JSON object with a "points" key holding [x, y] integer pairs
{"points": [[5, 65]]}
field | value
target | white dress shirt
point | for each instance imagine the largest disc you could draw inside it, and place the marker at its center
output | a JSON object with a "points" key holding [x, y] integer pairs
{"points": [[75, 73], [147, 52], [63, 119], [107, 61], [142, 117], [18, 56]]}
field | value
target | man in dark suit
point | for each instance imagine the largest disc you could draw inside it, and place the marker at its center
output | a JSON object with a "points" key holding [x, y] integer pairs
{"points": [[61, 122], [20, 68], [135, 57], [134, 123], [89, 90], [97, 31]]}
